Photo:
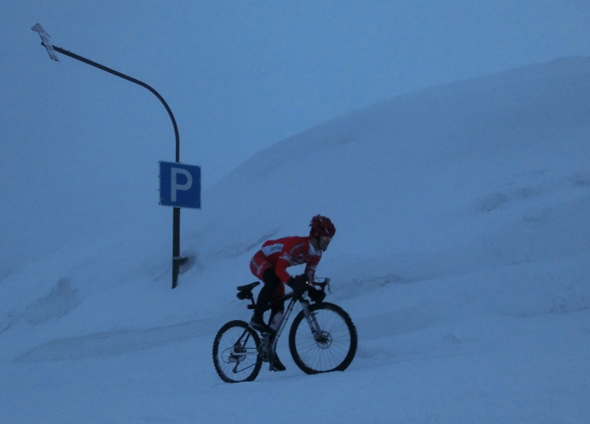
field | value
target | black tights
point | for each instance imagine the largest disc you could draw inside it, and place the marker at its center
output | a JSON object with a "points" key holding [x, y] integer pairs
{"points": [[271, 283]]}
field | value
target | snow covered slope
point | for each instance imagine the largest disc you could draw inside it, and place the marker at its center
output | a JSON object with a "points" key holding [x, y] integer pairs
{"points": [[462, 254]]}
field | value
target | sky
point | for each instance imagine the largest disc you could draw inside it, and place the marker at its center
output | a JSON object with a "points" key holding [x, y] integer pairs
{"points": [[461, 255], [238, 76]]}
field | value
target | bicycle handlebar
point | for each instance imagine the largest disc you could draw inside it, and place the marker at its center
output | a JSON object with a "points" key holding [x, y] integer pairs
{"points": [[322, 282]]}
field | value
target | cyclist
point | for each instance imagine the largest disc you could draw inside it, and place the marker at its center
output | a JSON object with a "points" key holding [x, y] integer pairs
{"points": [[270, 265]]}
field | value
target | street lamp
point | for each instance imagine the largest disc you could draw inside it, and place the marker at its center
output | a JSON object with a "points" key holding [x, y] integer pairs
{"points": [[177, 260]]}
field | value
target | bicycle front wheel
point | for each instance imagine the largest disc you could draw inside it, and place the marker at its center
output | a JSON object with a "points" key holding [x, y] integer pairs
{"points": [[235, 352], [332, 348]]}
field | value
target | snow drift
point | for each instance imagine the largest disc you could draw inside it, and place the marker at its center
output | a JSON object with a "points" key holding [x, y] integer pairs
{"points": [[461, 254]]}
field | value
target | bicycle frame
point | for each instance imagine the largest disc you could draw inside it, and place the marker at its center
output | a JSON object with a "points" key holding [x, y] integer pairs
{"points": [[283, 323], [310, 317]]}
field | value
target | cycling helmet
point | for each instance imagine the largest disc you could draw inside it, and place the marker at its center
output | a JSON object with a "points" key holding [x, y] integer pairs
{"points": [[321, 226]]}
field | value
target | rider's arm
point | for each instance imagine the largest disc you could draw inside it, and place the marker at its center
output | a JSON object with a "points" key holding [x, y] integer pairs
{"points": [[281, 268], [292, 247], [311, 266]]}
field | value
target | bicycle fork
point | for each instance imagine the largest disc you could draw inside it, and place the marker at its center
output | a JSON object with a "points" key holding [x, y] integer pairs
{"points": [[314, 326]]}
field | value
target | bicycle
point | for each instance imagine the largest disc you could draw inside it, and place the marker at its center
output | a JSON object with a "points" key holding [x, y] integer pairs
{"points": [[328, 343]]}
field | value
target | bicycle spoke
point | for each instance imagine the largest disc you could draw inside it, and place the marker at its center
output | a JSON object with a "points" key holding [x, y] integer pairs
{"points": [[235, 352], [332, 348]]}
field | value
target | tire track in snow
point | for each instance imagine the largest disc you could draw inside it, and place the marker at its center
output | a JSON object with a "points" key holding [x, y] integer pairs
{"points": [[119, 342]]}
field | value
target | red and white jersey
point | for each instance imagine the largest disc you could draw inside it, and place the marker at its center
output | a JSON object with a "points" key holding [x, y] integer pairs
{"points": [[283, 253]]}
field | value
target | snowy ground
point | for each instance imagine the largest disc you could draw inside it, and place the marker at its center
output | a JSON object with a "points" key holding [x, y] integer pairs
{"points": [[462, 255]]}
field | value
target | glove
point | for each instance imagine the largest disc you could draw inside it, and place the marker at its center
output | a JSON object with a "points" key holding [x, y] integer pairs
{"points": [[298, 285], [302, 277], [316, 295]]}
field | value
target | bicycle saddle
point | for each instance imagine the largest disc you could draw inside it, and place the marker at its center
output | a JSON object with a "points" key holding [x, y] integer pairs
{"points": [[245, 292]]}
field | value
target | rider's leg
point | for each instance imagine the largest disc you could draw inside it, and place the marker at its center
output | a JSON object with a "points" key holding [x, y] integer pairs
{"points": [[276, 316], [273, 289], [275, 319], [276, 313], [259, 265], [272, 283]]}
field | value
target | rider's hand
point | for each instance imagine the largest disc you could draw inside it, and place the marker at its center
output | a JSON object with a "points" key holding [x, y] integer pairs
{"points": [[316, 295], [302, 277], [299, 286]]}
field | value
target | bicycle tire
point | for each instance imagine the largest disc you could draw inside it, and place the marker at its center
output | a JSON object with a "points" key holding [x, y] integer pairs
{"points": [[337, 348], [235, 352]]}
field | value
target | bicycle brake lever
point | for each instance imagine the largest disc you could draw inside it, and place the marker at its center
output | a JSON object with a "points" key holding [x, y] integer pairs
{"points": [[323, 284]]}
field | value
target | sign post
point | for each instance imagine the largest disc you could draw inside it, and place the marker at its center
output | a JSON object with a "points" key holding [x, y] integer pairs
{"points": [[51, 49], [180, 187]]}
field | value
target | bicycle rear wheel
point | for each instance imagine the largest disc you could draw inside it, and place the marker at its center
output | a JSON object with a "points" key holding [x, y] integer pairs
{"points": [[235, 352], [333, 349]]}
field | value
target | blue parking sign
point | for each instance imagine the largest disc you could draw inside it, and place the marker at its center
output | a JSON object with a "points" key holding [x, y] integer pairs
{"points": [[180, 185]]}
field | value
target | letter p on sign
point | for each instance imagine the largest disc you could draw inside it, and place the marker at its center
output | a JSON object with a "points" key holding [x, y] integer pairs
{"points": [[174, 186], [180, 185]]}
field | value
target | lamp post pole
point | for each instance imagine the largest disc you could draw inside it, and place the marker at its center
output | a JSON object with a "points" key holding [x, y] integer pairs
{"points": [[51, 49]]}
